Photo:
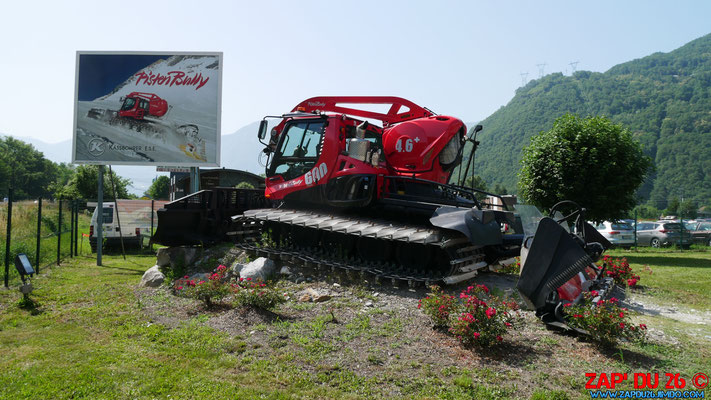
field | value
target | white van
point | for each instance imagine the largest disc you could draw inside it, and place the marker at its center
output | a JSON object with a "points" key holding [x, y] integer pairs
{"points": [[135, 216]]}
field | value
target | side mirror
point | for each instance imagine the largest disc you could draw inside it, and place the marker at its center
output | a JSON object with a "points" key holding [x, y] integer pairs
{"points": [[478, 128], [262, 129]]}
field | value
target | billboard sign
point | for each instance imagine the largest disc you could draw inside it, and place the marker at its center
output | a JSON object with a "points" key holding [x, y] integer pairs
{"points": [[147, 108]]}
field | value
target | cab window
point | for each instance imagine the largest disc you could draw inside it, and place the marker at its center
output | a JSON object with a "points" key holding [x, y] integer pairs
{"points": [[299, 149]]}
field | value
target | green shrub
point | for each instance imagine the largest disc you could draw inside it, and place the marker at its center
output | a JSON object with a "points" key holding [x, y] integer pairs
{"points": [[477, 317], [210, 290], [604, 320], [438, 306], [256, 293]]}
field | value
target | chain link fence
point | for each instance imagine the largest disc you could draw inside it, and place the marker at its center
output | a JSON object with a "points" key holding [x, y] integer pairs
{"points": [[49, 231]]}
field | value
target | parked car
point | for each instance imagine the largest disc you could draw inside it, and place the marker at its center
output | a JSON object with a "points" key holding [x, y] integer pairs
{"points": [[135, 218], [662, 233], [700, 232], [620, 234]]}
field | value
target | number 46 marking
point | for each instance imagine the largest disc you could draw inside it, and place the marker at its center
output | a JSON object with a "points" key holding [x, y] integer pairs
{"points": [[408, 146]]}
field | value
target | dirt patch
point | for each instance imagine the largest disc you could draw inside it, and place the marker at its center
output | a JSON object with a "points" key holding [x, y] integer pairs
{"points": [[377, 331], [645, 305]]}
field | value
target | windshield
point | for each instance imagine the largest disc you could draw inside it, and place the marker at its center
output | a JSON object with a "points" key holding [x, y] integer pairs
{"points": [[621, 226], [108, 215], [299, 149], [128, 104], [674, 226]]}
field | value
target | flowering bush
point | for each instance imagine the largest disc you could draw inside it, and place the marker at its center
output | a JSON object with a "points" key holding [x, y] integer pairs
{"points": [[514, 268], [438, 306], [256, 293], [605, 321], [483, 318], [476, 317], [209, 290], [620, 271]]}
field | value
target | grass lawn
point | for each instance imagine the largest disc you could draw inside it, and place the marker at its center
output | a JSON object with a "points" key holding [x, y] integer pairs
{"points": [[679, 277], [93, 334]]}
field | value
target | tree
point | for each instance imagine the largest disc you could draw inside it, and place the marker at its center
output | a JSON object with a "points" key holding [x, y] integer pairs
{"points": [[591, 161], [244, 185], [672, 207], [159, 189], [25, 169], [688, 209], [476, 182], [84, 184], [500, 189], [646, 212]]}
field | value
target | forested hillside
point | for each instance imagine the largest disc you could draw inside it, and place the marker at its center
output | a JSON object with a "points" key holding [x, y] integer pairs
{"points": [[665, 99]]}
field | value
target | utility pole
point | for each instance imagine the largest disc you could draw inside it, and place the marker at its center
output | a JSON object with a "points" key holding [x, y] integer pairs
{"points": [[541, 69], [573, 66]]}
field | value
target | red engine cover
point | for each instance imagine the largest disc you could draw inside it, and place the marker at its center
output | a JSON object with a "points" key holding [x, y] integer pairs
{"points": [[413, 147]]}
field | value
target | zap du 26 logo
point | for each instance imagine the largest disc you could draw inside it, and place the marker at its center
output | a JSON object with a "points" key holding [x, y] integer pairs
{"points": [[646, 381]]}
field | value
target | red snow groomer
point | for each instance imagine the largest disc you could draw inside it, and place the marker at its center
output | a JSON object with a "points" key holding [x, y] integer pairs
{"points": [[385, 196], [137, 105]]}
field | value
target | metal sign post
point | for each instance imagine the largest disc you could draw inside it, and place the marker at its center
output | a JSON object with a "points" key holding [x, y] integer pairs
{"points": [[194, 179], [100, 217]]}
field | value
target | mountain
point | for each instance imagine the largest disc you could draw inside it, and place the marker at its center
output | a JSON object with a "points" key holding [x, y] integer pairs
{"points": [[664, 99], [241, 149]]}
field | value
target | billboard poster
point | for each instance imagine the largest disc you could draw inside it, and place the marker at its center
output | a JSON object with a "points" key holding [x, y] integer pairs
{"points": [[147, 108]]}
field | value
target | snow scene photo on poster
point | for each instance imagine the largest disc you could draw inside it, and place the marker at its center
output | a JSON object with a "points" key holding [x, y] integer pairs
{"points": [[147, 108]]}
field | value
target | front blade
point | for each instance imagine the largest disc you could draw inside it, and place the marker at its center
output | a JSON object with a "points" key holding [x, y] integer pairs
{"points": [[553, 258]]}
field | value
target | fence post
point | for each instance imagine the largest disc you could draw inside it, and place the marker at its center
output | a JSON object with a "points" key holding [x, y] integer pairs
{"points": [[39, 234], [150, 237], [59, 232], [635, 229], [7, 239], [76, 230], [71, 229]]}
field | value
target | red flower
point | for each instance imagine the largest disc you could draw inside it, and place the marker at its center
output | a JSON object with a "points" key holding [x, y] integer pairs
{"points": [[613, 300], [476, 335], [622, 325], [179, 288], [622, 315], [499, 338], [642, 326], [594, 293], [490, 312]]}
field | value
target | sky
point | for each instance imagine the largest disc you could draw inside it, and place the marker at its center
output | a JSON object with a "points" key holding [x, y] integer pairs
{"points": [[463, 59]]}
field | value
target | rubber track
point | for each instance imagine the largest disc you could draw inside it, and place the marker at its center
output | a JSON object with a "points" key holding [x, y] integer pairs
{"points": [[462, 254]]}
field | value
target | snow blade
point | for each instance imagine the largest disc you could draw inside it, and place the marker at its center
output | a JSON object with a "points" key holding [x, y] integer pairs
{"points": [[553, 257]]}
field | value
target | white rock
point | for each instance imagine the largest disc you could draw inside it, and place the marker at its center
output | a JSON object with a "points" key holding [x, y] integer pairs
{"points": [[260, 268], [285, 270], [153, 277], [369, 304], [163, 257]]}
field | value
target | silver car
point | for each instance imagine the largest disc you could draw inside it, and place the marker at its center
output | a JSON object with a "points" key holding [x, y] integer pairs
{"points": [[662, 233], [620, 234]]}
